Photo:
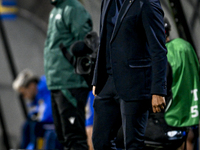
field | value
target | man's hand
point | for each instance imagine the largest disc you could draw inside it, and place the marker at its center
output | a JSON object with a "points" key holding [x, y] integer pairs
{"points": [[93, 90], [158, 103]]}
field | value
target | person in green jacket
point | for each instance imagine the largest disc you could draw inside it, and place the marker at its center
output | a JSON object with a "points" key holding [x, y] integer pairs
{"points": [[185, 106], [68, 22]]}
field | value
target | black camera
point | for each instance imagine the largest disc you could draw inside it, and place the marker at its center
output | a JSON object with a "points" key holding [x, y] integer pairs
{"points": [[84, 55]]}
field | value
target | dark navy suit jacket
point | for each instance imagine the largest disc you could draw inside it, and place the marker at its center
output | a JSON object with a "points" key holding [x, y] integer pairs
{"points": [[137, 51]]}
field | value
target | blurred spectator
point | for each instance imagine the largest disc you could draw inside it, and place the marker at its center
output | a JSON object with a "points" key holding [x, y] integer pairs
{"points": [[38, 101], [68, 22], [34, 90], [184, 109]]}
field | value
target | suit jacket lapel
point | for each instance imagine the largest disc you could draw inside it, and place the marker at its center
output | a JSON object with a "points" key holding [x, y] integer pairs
{"points": [[124, 9], [105, 4]]}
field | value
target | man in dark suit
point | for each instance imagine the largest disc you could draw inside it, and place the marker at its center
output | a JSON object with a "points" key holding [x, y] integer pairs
{"points": [[130, 71]]}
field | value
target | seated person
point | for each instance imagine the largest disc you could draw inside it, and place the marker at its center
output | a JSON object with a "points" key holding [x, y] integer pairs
{"points": [[38, 101]]}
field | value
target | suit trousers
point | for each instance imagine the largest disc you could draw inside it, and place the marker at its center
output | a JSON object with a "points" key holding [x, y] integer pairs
{"points": [[69, 120], [111, 112]]}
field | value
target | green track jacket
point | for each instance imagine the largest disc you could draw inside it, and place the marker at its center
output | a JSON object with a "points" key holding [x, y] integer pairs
{"points": [[185, 107]]}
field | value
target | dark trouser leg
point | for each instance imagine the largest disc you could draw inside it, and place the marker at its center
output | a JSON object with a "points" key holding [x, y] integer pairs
{"points": [[107, 118], [79, 135], [56, 116], [69, 120], [134, 120], [25, 135]]}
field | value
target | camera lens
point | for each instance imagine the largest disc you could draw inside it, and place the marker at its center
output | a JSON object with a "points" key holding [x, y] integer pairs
{"points": [[83, 65]]}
